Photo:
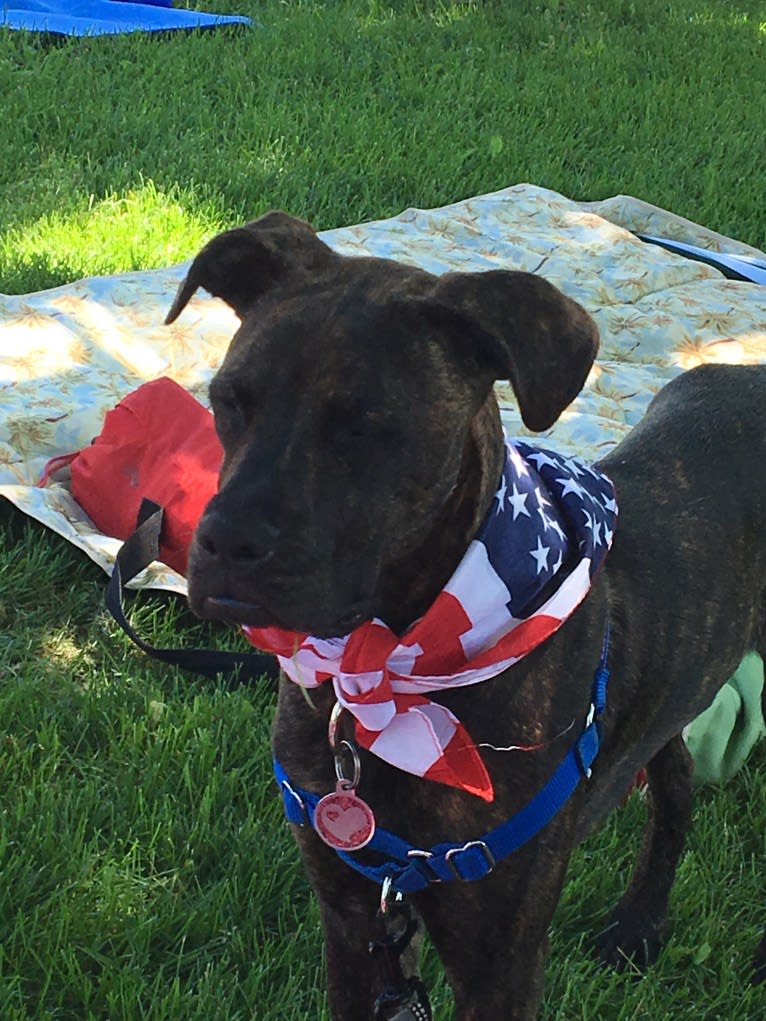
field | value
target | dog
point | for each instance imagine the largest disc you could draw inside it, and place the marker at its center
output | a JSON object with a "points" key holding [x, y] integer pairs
{"points": [[362, 450]]}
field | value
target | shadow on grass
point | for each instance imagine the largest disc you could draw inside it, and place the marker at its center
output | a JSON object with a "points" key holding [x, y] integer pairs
{"points": [[52, 613]]}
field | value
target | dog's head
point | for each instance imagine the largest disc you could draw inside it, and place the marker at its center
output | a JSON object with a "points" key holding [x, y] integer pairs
{"points": [[344, 406]]}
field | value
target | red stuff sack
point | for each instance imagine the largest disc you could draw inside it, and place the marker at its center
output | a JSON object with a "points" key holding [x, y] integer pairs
{"points": [[147, 478], [158, 444]]}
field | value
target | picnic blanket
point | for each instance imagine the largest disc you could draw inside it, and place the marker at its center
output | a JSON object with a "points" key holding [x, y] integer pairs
{"points": [[67, 355], [106, 17]]}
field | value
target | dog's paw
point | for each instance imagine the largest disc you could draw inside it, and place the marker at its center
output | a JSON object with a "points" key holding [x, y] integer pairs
{"points": [[631, 940]]}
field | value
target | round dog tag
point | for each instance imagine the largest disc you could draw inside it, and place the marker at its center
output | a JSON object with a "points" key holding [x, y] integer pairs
{"points": [[343, 820]]}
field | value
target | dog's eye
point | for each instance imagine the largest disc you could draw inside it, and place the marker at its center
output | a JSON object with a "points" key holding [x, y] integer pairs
{"points": [[228, 406], [352, 427], [358, 429]]}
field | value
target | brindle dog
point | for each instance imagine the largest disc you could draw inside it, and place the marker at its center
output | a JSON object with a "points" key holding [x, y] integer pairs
{"points": [[363, 447]]}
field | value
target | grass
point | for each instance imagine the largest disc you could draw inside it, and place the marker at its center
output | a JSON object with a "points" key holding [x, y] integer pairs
{"points": [[146, 870], [120, 153]]}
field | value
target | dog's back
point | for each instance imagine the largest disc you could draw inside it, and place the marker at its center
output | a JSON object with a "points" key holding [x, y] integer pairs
{"points": [[691, 485], [688, 565]]}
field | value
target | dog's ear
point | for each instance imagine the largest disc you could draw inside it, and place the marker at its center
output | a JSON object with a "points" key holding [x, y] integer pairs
{"points": [[518, 326], [240, 265]]}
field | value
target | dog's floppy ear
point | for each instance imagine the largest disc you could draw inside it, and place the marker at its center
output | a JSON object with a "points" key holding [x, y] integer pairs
{"points": [[240, 265], [520, 327]]}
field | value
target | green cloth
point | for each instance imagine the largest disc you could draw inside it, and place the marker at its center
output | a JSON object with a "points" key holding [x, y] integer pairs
{"points": [[721, 738]]}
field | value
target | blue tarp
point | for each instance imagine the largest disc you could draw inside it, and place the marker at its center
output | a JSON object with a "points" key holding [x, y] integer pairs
{"points": [[736, 267], [105, 17]]}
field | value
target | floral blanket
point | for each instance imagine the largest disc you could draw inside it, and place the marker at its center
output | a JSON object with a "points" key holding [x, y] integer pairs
{"points": [[67, 355]]}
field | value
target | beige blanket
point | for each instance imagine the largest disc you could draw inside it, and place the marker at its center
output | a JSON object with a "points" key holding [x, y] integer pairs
{"points": [[69, 354]]}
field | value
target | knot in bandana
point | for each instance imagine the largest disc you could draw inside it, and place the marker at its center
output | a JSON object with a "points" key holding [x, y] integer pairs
{"points": [[546, 532]]}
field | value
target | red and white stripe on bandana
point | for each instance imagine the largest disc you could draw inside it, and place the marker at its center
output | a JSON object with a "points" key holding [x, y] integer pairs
{"points": [[551, 521]]}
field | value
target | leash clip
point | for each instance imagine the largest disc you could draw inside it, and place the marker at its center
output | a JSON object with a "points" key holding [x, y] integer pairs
{"points": [[386, 898], [401, 998]]}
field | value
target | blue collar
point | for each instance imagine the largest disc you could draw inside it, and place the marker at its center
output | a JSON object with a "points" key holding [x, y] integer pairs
{"points": [[409, 868]]}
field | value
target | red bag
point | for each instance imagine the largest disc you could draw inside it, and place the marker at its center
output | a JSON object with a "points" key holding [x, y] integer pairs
{"points": [[147, 478], [159, 444]]}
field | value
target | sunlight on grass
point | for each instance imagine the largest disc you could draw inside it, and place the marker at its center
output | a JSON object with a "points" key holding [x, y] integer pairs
{"points": [[377, 15], [442, 14], [730, 19], [59, 647], [449, 13], [143, 228], [273, 156]]}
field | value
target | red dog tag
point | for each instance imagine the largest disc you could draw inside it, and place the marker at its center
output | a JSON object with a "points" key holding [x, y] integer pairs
{"points": [[343, 820]]}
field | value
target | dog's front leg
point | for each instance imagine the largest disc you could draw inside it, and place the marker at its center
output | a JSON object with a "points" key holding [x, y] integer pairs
{"points": [[633, 933], [348, 904], [491, 936]]}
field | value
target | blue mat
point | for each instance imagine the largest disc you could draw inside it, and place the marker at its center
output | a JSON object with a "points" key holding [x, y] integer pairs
{"points": [[105, 17]]}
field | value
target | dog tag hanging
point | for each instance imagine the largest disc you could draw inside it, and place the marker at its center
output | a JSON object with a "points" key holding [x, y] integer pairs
{"points": [[343, 819]]}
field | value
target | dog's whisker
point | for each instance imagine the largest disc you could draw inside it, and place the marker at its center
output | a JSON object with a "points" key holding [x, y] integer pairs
{"points": [[525, 747], [309, 700]]}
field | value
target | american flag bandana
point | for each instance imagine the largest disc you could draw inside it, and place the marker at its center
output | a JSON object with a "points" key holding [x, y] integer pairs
{"points": [[547, 531]]}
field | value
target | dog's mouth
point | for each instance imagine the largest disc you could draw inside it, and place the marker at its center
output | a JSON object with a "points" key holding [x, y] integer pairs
{"points": [[237, 611]]}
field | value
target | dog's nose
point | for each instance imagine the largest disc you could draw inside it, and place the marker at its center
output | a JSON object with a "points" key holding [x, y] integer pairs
{"points": [[239, 544]]}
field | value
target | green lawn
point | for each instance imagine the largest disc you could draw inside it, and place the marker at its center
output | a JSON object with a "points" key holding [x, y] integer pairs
{"points": [[146, 872]]}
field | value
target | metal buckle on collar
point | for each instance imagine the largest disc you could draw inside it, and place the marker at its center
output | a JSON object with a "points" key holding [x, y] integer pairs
{"points": [[591, 715], [489, 858], [421, 861], [591, 735], [287, 789], [586, 771]]}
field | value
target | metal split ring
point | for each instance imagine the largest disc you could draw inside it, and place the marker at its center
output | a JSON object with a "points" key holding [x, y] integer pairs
{"points": [[340, 748], [333, 724]]}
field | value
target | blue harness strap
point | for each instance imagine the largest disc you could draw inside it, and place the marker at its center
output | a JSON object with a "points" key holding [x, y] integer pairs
{"points": [[410, 868]]}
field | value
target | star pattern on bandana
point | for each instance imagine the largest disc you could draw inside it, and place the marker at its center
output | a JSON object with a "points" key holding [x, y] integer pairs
{"points": [[517, 500], [540, 556], [558, 506]]}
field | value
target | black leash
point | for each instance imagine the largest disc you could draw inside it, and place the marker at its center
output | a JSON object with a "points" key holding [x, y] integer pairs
{"points": [[137, 552], [401, 999]]}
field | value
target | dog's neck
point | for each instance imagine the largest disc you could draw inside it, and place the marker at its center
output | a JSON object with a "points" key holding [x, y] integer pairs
{"points": [[423, 572]]}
